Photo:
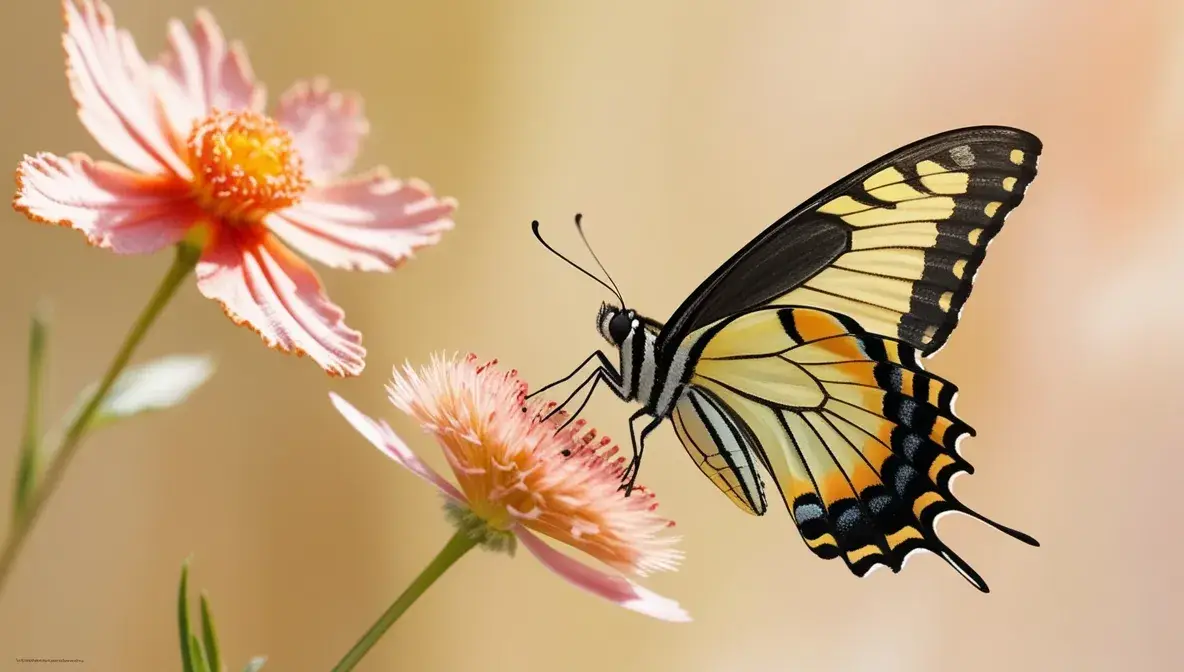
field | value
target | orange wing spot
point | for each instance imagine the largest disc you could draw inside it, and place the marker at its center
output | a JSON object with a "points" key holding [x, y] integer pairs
{"points": [[885, 433], [862, 477], [906, 382], [873, 400], [897, 538], [843, 349], [890, 347], [940, 462], [825, 540], [876, 453], [862, 552], [941, 425], [925, 501], [862, 373], [833, 487], [935, 388], [813, 325]]}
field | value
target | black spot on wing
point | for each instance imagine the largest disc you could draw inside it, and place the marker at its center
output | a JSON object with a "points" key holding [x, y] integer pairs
{"points": [[920, 451], [811, 519], [888, 512], [888, 376], [873, 348], [853, 530]]}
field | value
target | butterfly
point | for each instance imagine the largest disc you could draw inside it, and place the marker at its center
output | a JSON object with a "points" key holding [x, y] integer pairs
{"points": [[801, 355]]}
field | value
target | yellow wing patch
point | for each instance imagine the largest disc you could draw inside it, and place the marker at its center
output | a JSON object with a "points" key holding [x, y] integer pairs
{"points": [[755, 333], [773, 379]]}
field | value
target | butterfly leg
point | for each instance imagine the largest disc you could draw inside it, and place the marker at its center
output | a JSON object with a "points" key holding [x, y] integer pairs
{"points": [[605, 373], [603, 363], [638, 441], [595, 378]]}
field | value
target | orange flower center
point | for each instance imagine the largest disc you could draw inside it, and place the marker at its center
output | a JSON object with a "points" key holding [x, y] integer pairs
{"points": [[244, 165]]}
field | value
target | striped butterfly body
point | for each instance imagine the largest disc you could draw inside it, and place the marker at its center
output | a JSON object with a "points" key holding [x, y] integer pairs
{"points": [[800, 357]]}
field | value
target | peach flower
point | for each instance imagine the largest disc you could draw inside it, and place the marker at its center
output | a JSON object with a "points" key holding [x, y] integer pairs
{"points": [[520, 477], [198, 150]]}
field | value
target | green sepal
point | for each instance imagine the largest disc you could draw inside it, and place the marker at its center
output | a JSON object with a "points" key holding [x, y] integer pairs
{"points": [[476, 528]]}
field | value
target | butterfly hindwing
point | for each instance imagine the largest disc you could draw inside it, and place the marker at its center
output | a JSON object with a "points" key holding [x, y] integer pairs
{"points": [[721, 447], [858, 438], [895, 245]]}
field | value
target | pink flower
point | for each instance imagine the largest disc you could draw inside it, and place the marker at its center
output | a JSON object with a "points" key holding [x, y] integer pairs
{"points": [[197, 150], [519, 476]]}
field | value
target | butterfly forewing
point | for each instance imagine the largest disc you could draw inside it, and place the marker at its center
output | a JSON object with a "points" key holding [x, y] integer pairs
{"points": [[894, 245]]}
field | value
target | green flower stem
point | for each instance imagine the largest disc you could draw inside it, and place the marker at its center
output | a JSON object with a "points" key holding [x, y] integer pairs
{"points": [[460, 543], [186, 259]]}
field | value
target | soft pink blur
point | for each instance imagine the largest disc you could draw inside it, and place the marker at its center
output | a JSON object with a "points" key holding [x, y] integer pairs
{"points": [[680, 130]]}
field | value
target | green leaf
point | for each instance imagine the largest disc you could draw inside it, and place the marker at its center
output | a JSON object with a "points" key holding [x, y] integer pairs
{"points": [[202, 655], [29, 465], [157, 385], [209, 636], [187, 639], [199, 659]]}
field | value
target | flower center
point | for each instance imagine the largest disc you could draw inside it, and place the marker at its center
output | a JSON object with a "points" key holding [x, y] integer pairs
{"points": [[244, 165]]}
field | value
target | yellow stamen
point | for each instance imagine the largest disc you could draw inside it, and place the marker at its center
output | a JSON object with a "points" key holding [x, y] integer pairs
{"points": [[244, 165]]}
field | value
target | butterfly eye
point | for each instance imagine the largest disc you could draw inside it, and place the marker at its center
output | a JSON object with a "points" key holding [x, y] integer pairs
{"points": [[619, 327]]}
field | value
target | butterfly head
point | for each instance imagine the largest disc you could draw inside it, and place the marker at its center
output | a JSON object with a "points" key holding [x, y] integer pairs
{"points": [[615, 324]]}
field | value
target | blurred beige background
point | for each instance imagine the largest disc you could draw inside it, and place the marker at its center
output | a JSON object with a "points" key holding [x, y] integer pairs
{"points": [[680, 129]]}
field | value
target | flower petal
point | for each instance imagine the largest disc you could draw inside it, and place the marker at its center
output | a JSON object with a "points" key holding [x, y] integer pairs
{"points": [[115, 208], [613, 588], [265, 287], [384, 438], [327, 126], [368, 223], [111, 84], [200, 71]]}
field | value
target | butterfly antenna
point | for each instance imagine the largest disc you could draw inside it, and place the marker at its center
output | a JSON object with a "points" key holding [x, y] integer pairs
{"points": [[580, 228], [534, 226]]}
